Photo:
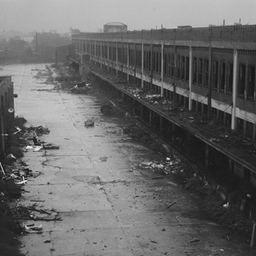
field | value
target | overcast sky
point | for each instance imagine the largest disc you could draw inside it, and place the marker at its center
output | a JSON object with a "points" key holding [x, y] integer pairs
{"points": [[91, 15]]}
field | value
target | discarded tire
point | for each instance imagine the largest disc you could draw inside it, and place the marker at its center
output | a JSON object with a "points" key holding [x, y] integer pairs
{"points": [[106, 110]]}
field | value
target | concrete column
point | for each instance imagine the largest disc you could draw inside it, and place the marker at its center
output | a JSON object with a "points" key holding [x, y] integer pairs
{"points": [[128, 63], [101, 56], [162, 69], [142, 65], [190, 78], [151, 68], [95, 53], [175, 74], [108, 55], [209, 111], [235, 84], [117, 67]]}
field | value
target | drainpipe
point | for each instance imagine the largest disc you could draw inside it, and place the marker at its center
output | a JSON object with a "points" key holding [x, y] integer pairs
{"points": [[235, 83]]}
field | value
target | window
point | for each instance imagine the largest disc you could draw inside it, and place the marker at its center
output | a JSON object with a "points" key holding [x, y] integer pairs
{"points": [[200, 71], [206, 72], [178, 66], [172, 65], [222, 76], [187, 69], [182, 75], [230, 78], [251, 82], [195, 68], [241, 80], [215, 75]]}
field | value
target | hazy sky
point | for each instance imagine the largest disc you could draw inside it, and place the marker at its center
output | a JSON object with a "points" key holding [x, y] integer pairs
{"points": [[90, 15]]}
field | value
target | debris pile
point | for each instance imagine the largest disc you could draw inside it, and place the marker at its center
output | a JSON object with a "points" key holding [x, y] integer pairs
{"points": [[81, 88], [34, 212], [166, 166], [14, 174]]}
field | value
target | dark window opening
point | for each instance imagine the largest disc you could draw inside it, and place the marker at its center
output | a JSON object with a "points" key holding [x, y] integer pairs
{"points": [[251, 82], [241, 85], [206, 72], [215, 75], [182, 76], [222, 76], [195, 70], [230, 78], [187, 69], [200, 72]]}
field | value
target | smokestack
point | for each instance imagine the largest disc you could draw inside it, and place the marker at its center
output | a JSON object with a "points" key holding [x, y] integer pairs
{"points": [[223, 22]]}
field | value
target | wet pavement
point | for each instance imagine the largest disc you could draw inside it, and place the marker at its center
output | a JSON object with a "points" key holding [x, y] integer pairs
{"points": [[108, 205]]}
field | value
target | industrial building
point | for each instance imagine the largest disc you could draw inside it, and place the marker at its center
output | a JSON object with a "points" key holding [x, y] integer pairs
{"points": [[209, 72], [7, 110]]}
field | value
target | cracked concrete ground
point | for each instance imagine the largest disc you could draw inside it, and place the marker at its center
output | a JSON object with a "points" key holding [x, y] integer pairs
{"points": [[108, 206]]}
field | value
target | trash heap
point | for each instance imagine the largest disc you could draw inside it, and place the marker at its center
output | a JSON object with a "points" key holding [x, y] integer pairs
{"points": [[14, 175], [218, 207]]}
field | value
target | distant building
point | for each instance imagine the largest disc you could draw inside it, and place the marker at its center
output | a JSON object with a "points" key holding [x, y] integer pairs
{"points": [[113, 27]]}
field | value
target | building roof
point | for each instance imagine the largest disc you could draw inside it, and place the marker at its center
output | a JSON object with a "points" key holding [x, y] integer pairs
{"points": [[115, 24]]}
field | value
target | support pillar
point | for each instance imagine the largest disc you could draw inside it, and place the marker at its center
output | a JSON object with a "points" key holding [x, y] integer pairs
{"points": [[209, 110], [162, 69], [142, 65], [128, 63], [101, 57], [190, 79], [234, 96], [117, 59], [108, 54]]}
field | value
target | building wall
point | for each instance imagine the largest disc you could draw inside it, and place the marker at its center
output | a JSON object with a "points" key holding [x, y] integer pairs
{"points": [[108, 28], [213, 66], [6, 104]]}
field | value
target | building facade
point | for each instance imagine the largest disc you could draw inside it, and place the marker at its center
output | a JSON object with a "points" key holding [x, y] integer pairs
{"points": [[7, 110], [210, 70], [114, 27]]}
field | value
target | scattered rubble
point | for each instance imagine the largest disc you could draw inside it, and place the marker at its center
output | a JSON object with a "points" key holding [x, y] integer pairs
{"points": [[89, 122], [82, 88]]}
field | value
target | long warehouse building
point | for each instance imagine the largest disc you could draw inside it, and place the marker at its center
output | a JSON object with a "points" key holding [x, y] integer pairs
{"points": [[210, 71]]}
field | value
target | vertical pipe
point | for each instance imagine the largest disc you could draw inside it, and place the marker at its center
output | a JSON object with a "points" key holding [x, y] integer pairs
{"points": [[234, 96], [190, 78]]}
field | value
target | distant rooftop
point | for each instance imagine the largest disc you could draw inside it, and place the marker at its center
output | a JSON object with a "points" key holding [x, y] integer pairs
{"points": [[115, 24]]}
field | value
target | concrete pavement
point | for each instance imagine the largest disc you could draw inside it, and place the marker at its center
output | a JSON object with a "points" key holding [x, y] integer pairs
{"points": [[107, 204]]}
